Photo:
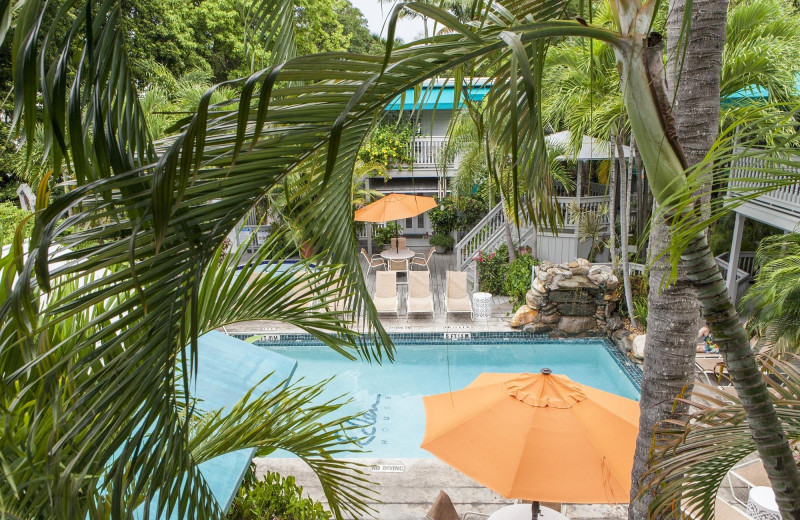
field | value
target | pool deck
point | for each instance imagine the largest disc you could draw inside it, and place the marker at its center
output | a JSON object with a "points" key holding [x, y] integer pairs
{"points": [[439, 265], [408, 495]]}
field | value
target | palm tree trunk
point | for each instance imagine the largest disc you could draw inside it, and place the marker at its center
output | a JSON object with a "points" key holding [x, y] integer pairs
{"points": [[625, 210], [673, 313], [733, 343], [612, 206]]}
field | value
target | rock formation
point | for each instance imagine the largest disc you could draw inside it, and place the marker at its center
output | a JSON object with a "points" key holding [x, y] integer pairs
{"points": [[571, 299]]}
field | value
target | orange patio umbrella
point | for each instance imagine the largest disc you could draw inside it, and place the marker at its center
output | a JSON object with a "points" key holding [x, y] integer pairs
{"points": [[539, 437], [395, 206]]}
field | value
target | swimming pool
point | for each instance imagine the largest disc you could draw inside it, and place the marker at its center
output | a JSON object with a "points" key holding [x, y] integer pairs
{"points": [[391, 394]]}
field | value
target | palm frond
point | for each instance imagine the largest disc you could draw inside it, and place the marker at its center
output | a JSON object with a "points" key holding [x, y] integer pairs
{"points": [[694, 454], [743, 166], [287, 419]]}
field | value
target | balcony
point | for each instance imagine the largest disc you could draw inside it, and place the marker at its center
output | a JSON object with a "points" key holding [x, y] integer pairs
{"points": [[427, 152], [779, 208]]}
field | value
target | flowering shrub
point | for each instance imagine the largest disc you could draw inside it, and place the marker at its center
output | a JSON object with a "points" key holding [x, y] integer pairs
{"points": [[389, 145], [492, 271]]}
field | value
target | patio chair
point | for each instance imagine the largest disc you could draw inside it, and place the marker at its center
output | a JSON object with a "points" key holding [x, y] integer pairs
{"points": [[711, 368], [456, 299], [419, 300], [398, 243], [722, 511], [385, 298], [751, 474], [373, 262], [398, 266], [423, 260]]}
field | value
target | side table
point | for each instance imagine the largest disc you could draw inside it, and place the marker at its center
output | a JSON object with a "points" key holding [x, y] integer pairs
{"points": [[481, 306], [761, 504]]}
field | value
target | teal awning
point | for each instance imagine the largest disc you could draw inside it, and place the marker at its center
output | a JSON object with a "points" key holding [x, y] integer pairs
{"points": [[754, 92], [227, 369], [436, 97]]}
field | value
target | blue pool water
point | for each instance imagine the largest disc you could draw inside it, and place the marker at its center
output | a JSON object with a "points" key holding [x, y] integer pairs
{"points": [[392, 393]]}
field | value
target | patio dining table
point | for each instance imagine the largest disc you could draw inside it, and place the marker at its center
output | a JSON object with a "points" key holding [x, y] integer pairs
{"points": [[394, 254], [523, 512]]}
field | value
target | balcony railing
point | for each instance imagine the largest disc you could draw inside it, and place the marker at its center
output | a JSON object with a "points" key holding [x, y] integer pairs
{"points": [[746, 175], [428, 150]]}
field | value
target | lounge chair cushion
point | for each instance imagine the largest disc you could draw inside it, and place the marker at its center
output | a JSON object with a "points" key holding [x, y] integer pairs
{"points": [[419, 294], [459, 305], [457, 296], [385, 292]]}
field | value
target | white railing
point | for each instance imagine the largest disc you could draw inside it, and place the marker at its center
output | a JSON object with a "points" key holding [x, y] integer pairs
{"points": [[427, 150], [746, 174], [479, 236], [587, 204], [747, 261], [743, 278], [487, 234]]}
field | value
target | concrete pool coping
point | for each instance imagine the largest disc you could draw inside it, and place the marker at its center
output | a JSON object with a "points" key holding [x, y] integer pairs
{"points": [[408, 494]]}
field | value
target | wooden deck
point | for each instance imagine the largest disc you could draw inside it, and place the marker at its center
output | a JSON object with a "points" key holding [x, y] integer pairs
{"points": [[438, 267]]}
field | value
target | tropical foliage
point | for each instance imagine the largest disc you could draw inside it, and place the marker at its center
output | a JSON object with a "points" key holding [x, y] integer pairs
{"points": [[519, 277], [389, 144], [699, 450], [10, 218], [274, 496], [146, 219], [774, 298]]}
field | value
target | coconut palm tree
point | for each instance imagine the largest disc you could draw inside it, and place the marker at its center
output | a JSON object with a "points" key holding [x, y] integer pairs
{"points": [[155, 213]]}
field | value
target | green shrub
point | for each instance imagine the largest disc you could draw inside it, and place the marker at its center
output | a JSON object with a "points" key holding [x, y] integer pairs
{"points": [[640, 311], [274, 498], [518, 280], [382, 236], [472, 211], [639, 292], [445, 241], [444, 217], [10, 218], [492, 272]]}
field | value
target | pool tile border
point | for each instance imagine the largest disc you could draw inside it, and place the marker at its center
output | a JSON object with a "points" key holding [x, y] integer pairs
{"points": [[631, 370]]}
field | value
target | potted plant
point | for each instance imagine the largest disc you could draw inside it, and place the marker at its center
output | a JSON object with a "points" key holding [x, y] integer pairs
{"points": [[442, 243], [382, 236]]}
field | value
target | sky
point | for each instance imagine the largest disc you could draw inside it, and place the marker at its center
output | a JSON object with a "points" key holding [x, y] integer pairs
{"points": [[377, 12]]}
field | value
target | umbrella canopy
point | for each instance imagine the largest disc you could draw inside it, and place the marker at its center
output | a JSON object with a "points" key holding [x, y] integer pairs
{"points": [[395, 206], [539, 437]]}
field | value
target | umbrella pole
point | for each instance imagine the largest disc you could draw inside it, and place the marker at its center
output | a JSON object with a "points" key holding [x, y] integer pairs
{"points": [[534, 510], [396, 241]]}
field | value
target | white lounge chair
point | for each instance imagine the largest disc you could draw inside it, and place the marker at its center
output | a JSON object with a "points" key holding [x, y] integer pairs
{"points": [[385, 298], [423, 260], [456, 299], [419, 300], [373, 262]]}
